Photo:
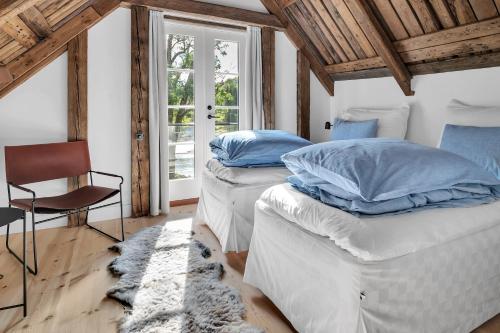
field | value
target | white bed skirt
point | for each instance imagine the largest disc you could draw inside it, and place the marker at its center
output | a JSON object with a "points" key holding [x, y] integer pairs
{"points": [[228, 210], [452, 287]]}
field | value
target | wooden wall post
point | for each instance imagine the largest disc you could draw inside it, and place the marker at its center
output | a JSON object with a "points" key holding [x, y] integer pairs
{"points": [[268, 77], [303, 95], [77, 104], [140, 111]]}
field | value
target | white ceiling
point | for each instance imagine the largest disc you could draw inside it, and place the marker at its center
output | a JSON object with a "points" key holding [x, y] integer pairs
{"points": [[255, 5]]}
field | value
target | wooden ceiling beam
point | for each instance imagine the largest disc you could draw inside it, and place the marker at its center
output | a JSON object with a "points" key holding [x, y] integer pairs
{"points": [[211, 11], [35, 20], [381, 42], [293, 34], [17, 29], [24, 66], [441, 66]]}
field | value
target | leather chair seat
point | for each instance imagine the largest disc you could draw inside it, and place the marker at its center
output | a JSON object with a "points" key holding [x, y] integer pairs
{"points": [[77, 199]]}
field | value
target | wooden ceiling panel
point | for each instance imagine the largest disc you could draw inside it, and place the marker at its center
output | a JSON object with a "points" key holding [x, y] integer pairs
{"points": [[443, 13], [311, 31], [346, 15], [408, 17], [484, 9], [345, 50], [4, 39], [11, 51], [64, 11], [425, 15], [391, 19], [462, 11]]}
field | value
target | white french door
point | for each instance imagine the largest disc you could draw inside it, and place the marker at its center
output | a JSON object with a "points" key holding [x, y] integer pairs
{"points": [[206, 85]]}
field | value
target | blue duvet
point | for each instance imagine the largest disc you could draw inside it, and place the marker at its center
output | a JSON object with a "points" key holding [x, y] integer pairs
{"points": [[255, 148], [381, 176]]}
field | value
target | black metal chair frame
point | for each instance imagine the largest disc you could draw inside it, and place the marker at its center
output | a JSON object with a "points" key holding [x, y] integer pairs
{"points": [[34, 270], [24, 304]]}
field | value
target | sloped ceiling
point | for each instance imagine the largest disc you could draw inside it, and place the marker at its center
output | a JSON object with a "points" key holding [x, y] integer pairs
{"points": [[355, 39], [342, 39]]}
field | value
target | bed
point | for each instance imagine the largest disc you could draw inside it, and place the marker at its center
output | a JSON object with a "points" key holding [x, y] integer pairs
{"points": [[436, 270], [227, 200]]}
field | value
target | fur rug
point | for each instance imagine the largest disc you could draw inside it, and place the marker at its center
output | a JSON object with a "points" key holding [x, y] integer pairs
{"points": [[168, 285]]}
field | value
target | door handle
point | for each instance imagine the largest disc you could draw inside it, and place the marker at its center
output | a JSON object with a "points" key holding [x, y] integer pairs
{"points": [[212, 117]]}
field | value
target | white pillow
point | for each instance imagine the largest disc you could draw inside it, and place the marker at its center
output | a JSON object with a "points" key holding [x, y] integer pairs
{"points": [[459, 113], [392, 122]]}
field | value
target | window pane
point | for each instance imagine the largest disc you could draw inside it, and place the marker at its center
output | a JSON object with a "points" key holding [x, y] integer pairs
{"points": [[226, 90], [180, 87], [180, 51], [181, 125], [226, 57], [227, 121], [181, 161]]}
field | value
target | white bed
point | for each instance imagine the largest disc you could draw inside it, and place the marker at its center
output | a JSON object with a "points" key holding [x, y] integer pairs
{"points": [[429, 271], [227, 201]]}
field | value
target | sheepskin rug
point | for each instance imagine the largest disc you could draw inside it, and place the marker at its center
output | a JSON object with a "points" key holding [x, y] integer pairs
{"points": [[168, 285]]}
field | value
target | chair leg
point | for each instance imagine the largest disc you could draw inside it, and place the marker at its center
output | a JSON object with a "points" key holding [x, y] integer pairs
{"points": [[121, 215], [100, 231], [25, 269], [32, 271]]}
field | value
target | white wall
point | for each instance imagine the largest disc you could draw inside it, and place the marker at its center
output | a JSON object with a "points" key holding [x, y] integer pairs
{"points": [[36, 111], [285, 84], [432, 93]]}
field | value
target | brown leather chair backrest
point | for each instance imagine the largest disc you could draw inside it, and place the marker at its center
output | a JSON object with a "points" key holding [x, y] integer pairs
{"points": [[36, 163]]}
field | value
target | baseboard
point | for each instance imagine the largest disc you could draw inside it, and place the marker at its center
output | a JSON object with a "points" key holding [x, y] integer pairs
{"points": [[184, 202]]}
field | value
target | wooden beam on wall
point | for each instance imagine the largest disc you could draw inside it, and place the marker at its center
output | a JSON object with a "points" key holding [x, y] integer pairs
{"points": [[268, 76], [77, 105], [303, 96], [215, 12], [381, 42], [140, 110], [292, 33]]}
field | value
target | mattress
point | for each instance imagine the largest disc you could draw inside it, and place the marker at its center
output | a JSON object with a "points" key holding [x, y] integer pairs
{"points": [[384, 237], [248, 176], [320, 287], [228, 209]]}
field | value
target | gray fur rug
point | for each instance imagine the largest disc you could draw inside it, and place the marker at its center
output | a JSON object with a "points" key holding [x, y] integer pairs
{"points": [[168, 285]]}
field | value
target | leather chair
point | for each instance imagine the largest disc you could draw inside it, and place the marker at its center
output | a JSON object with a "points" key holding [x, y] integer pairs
{"points": [[44, 162]]}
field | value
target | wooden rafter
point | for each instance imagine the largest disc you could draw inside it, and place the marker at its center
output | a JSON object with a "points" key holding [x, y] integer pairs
{"points": [[35, 20], [383, 45], [9, 9], [211, 11], [292, 33], [28, 63]]}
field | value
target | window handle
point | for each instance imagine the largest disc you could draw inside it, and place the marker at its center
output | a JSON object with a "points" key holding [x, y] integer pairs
{"points": [[212, 117]]}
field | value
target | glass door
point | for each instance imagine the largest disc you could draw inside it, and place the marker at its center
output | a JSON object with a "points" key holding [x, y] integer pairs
{"points": [[205, 98]]}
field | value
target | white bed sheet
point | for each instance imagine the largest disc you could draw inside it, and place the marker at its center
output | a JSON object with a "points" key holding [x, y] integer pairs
{"points": [[320, 288], [383, 237], [228, 210], [248, 176]]}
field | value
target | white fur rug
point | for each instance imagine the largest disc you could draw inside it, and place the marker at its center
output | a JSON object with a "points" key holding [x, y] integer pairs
{"points": [[168, 285]]}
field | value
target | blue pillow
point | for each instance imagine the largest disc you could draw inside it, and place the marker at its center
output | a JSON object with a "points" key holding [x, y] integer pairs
{"points": [[384, 169], [255, 148], [346, 130], [478, 144]]}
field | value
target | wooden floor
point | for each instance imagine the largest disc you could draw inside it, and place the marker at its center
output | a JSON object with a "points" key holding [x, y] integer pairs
{"points": [[68, 294]]}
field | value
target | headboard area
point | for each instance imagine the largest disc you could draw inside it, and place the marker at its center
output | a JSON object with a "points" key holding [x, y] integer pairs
{"points": [[462, 98]]}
